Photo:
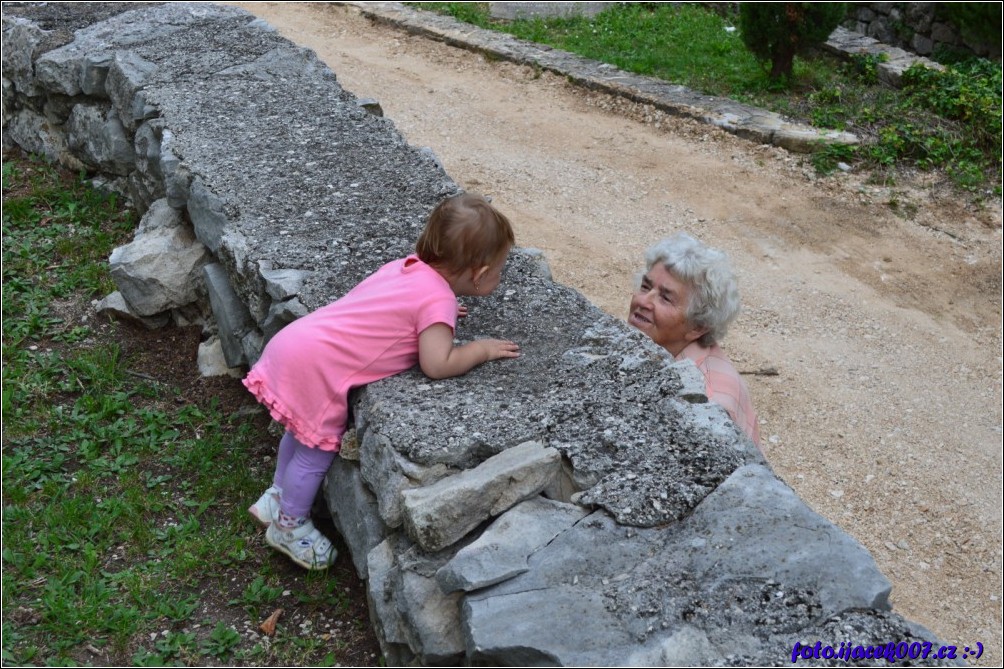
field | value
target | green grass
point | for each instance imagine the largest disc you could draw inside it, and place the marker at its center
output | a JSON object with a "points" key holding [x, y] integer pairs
{"points": [[123, 506], [939, 121]]}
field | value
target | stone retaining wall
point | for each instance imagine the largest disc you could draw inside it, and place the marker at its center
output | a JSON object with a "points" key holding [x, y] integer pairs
{"points": [[582, 505], [916, 26]]}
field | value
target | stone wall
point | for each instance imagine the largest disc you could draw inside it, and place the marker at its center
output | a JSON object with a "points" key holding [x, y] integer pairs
{"points": [[582, 505], [915, 26]]}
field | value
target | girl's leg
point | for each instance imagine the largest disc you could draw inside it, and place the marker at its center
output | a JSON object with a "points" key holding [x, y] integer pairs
{"points": [[266, 509], [302, 474], [287, 446], [293, 533]]}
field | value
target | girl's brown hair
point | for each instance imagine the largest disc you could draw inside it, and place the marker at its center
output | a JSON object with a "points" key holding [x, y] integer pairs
{"points": [[465, 231]]}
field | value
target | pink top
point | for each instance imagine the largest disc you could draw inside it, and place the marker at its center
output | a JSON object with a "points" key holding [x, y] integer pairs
{"points": [[306, 371], [724, 386]]}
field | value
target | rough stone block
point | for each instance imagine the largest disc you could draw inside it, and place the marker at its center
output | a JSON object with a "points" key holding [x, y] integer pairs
{"points": [[389, 474], [206, 210], [114, 305], [212, 362], [35, 134], [99, 139], [801, 139], [177, 178], [564, 627], [432, 619], [58, 71], [502, 550], [93, 73], [160, 269], [384, 612], [756, 524], [281, 284], [251, 345], [231, 315], [354, 511], [21, 40], [439, 515], [371, 105], [694, 387], [541, 267], [281, 314], [127, 75]]}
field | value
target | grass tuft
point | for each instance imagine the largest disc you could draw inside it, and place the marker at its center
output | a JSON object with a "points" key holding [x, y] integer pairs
{"points": [[125, 539]]}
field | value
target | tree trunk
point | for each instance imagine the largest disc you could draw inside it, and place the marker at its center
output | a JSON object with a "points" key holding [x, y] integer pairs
{"points": [[782, 63]]}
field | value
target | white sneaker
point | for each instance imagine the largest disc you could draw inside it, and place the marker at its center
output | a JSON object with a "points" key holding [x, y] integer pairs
{"points": [[266, 509], [304, 545]]}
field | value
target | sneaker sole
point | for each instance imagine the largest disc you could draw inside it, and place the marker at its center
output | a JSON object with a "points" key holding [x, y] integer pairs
{"points": [[310, 566]]}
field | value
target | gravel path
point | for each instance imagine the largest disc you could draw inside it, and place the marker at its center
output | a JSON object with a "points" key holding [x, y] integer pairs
{"points": [[878, 306]]}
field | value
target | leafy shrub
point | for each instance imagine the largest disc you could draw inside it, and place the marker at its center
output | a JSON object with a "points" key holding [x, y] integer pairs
{"points": [[968, 92], [826, 159], [864, 66], [779, 31], [978, 22], [965, 139]]}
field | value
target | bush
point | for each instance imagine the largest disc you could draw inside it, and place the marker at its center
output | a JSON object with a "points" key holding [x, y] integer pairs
{"points": [[978, 22], [779, 31]]}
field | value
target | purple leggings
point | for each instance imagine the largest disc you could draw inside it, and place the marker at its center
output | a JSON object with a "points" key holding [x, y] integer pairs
{"points": [[299, 471]]}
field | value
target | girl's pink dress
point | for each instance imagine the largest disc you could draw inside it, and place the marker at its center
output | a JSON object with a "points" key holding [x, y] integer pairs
{"points": [[306, 371]]}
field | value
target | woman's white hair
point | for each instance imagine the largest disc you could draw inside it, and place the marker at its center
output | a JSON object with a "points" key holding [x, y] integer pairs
{"points": [[714, 293]]}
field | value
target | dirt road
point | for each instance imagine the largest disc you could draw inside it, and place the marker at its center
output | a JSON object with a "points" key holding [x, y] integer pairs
{"points": [[879, 306]]}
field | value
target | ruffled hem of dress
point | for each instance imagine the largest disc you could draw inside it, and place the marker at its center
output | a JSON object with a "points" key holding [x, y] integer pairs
{"points": [[282, 415]]}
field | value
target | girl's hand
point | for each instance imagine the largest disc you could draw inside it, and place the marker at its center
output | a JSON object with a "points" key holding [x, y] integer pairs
{"points": [[498, 348], [440, 359], [461, 311]]}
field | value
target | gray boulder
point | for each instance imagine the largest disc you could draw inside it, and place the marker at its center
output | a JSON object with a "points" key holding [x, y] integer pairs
{"points": [[438, 515], [98, 138], [161, 268]]}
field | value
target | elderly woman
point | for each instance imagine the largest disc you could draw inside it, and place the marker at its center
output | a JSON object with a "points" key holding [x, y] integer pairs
{"points": [[685, 301]]}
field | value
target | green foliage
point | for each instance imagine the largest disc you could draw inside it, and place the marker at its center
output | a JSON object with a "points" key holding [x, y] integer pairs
{"points": [[949, 120], [968, 92], [779, 31], [258, 594], [221, 641], [976, 21], [475, 13], [825, 160], [864, 67], [96, 549]]}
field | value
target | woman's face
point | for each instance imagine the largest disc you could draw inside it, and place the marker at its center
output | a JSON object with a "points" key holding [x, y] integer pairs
{"points": [[659, 309]]}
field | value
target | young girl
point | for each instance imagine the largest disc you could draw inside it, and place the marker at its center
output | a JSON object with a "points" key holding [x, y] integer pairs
{"points": [[402, 314]]}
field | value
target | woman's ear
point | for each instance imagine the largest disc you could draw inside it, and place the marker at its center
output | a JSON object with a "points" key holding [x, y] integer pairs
{"points": [[695, 334]]}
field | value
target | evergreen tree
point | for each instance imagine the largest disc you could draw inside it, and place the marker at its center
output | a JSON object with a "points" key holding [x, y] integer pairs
{"points": [[778, 31]]}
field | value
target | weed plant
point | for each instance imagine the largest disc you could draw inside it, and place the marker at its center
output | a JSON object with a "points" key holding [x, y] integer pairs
{"points": [[939, 120], [124, 531]]}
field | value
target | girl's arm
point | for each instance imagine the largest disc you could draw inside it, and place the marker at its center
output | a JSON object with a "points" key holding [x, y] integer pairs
{"points": [[440, 359]]}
